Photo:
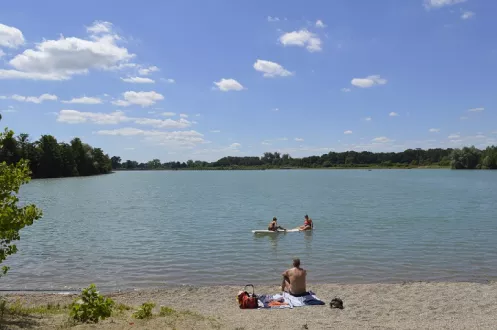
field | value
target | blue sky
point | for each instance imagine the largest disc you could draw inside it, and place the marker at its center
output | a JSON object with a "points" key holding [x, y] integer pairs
{"points": [[179, 80]]}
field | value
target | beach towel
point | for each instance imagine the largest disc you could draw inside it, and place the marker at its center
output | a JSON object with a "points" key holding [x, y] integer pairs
{"points": [[286, 300]]}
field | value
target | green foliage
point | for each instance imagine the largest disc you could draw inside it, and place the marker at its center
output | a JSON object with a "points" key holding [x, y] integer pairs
{"points": [[166, 311], [91, 306], [51, 159], [437, 157], [12, 217], [145, 311]]}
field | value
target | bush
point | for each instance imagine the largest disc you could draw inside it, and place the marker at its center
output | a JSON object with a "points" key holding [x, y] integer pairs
{"points": [[91, 306], [145, 311], [166, 311]]}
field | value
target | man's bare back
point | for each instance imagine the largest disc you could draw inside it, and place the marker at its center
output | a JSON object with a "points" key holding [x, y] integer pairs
{"points": [[294, 279]]}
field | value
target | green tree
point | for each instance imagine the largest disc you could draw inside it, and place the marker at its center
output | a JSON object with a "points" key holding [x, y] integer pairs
{"points": [[116, 162], [12, 217]]}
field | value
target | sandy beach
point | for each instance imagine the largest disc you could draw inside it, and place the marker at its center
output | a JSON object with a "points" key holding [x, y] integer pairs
{"points": [[417, 305]]}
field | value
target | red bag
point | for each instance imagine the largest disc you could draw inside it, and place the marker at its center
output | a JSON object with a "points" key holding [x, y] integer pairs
{"points": [[246, 300]]}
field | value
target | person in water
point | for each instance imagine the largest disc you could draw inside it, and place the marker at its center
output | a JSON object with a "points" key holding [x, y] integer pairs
{"points": [[294, 279], [308, 225], [273, 226]]}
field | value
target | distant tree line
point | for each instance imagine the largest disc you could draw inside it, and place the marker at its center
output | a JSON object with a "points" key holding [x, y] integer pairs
{"points": [[51, 159], [466, 158]]}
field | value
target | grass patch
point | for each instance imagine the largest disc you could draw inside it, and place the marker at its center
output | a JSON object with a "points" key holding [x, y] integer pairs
{"points": [[18, 309], [173, 316]]}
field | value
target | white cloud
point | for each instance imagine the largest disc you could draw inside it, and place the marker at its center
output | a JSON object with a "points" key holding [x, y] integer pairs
{"points": [[183, 115], [265, 143], [467, 15], [62, 58], [271, 69], [275, 109], [347, 132], [476, 109], [170, 81], [117, 117], [235, 145], [369, 81], [99, 27], [299, 139], [138, 80], [175, 138], [226, 85], [215, 131], [345, 90], [393, 114], [429, 4], [434, 130], [10, 36], [144, 99], [1, 53], [273, 19], [169, 114], [454, 136], [167, 123], [84, 100], [78, 117], [368, 119], [381, 139], [302, 38], [10, 109], [147, 71], [32, 99], [320, 24]]}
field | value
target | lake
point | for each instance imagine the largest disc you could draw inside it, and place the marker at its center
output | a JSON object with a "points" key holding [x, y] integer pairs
{"points": [[149, 229]]}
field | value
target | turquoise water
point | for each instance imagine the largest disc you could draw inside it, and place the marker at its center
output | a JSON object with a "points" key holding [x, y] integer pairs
{"points": [[151, 229]]}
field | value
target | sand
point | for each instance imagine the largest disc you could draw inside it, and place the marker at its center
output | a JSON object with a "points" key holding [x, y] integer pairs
{"points": [[418, 305]]}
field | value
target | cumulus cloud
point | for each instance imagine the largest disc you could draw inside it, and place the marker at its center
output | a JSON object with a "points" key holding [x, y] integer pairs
{"points": [[299, 139], [99, 27], [235, 145], [10, 36], [476, 110], [273, 19], [65, 57], [32, 99], [434, 130], [320, 24], [467, 15], [147, 71], [2, 53], [381, 139], [84, 100], [175, 138], [369, 81], [393, 114], [117, 117], [347, 132], [138, 80], [144, 99], [169, 114], [368, 118], [302, 38], [226, 85], [435, 4], [271, 69], [170, 81], [183, 115]]}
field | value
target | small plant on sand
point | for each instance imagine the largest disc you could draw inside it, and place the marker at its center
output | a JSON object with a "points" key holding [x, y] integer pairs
{"points": [[91, 306], [166, 311], [145, 311]]}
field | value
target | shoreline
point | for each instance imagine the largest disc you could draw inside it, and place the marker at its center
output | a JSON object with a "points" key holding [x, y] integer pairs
{"points": [[408, 305]]}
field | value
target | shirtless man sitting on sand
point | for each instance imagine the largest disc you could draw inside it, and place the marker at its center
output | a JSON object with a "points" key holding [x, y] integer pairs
{"points": [[294, 279]]}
